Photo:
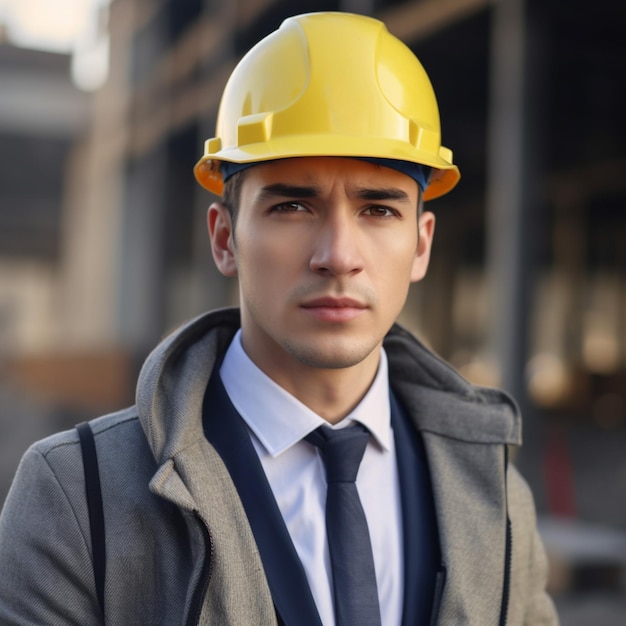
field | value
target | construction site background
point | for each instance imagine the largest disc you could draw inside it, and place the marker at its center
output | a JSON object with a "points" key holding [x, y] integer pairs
{"points": [[103, 245]]}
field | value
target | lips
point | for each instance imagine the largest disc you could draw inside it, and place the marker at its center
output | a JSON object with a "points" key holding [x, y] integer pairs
{"points": [[334, 310], [336, 303]]}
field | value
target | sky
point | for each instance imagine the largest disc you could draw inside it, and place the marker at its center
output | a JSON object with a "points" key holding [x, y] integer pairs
{"points": [[74, 27]]}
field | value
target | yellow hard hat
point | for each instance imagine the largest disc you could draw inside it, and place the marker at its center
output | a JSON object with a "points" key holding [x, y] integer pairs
{"points": [[329, 84]]}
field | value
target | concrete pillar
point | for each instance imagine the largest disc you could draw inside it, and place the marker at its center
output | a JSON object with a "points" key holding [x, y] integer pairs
{"points": [[142, 277], [91, 261], [508, 251]]}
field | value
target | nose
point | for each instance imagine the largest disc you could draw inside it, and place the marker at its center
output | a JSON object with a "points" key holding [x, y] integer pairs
{"points": [[337, 247]]}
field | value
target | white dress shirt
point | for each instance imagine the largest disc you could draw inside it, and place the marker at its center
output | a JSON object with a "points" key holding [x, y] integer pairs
{"points": [[278, 422]]}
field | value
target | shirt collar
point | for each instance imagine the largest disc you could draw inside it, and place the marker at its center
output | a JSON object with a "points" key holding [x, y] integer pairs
{"points": [[280, 420]]}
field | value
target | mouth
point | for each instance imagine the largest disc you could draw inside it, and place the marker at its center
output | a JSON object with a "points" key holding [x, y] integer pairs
{"points": [[337, 303], [330, 309]]}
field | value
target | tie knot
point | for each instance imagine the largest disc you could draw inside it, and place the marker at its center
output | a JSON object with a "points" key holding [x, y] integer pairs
{"points": [[341, 450]]}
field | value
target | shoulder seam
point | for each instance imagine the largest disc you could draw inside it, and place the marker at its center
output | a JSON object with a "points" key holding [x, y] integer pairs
{"points": [[132, 418], [75, 442]]}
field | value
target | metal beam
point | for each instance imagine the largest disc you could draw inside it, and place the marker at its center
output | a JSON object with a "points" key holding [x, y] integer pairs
{"points": [[508, 250], [414, 20]]}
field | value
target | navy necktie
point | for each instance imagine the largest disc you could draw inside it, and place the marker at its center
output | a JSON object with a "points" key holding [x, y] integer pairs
{"points": [[354, 577]]}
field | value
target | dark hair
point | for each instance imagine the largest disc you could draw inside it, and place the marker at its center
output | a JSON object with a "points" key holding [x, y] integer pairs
{"points": [[231, 194]]}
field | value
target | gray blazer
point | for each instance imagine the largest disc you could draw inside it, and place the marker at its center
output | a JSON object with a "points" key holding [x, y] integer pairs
{"points": [[179, 546]]}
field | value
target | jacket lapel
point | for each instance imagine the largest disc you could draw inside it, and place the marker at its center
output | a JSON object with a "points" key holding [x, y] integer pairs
{"points": [[225, 552], [465, 430], [227, 432], [421, 542], [470, 498]]}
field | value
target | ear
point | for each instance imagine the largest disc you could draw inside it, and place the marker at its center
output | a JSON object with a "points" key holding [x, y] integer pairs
{"points": [[426, 230], [221, 234]]}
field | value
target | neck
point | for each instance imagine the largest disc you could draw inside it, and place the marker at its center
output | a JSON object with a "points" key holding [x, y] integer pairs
{"points": [[330, 393], [333, 394]]}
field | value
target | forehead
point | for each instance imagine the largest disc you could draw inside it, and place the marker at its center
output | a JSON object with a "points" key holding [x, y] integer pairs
{"points": [[326, 173]]}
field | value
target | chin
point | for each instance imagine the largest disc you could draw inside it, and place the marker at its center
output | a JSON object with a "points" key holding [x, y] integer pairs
{"points": [[332, 358]]}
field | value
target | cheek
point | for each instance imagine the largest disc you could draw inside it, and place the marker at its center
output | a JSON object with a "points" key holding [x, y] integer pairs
{"points": [[402, 254], [264, 266], [259, 254], [409, 259], [397, 273]]}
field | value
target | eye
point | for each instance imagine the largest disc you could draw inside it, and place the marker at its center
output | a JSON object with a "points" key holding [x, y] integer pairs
{"points": [[288, 207], [380, 211]]}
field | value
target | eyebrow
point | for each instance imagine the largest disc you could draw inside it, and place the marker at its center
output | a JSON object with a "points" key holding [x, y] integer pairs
{"points": [[364, 193], [387, 193], [287, 191]]}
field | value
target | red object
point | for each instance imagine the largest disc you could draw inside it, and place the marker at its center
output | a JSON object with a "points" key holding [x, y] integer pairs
{"points": [[559, 475]]}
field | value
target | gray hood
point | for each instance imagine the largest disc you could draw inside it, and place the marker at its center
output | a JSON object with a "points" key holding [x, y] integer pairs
{"points": [[174, 377]]}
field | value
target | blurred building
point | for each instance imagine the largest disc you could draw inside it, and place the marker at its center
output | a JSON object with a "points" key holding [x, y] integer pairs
{"points": [[103, 244], [41, 116]]}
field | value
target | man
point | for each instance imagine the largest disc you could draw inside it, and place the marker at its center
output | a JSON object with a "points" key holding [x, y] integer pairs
{"points": [[222, 498]]}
